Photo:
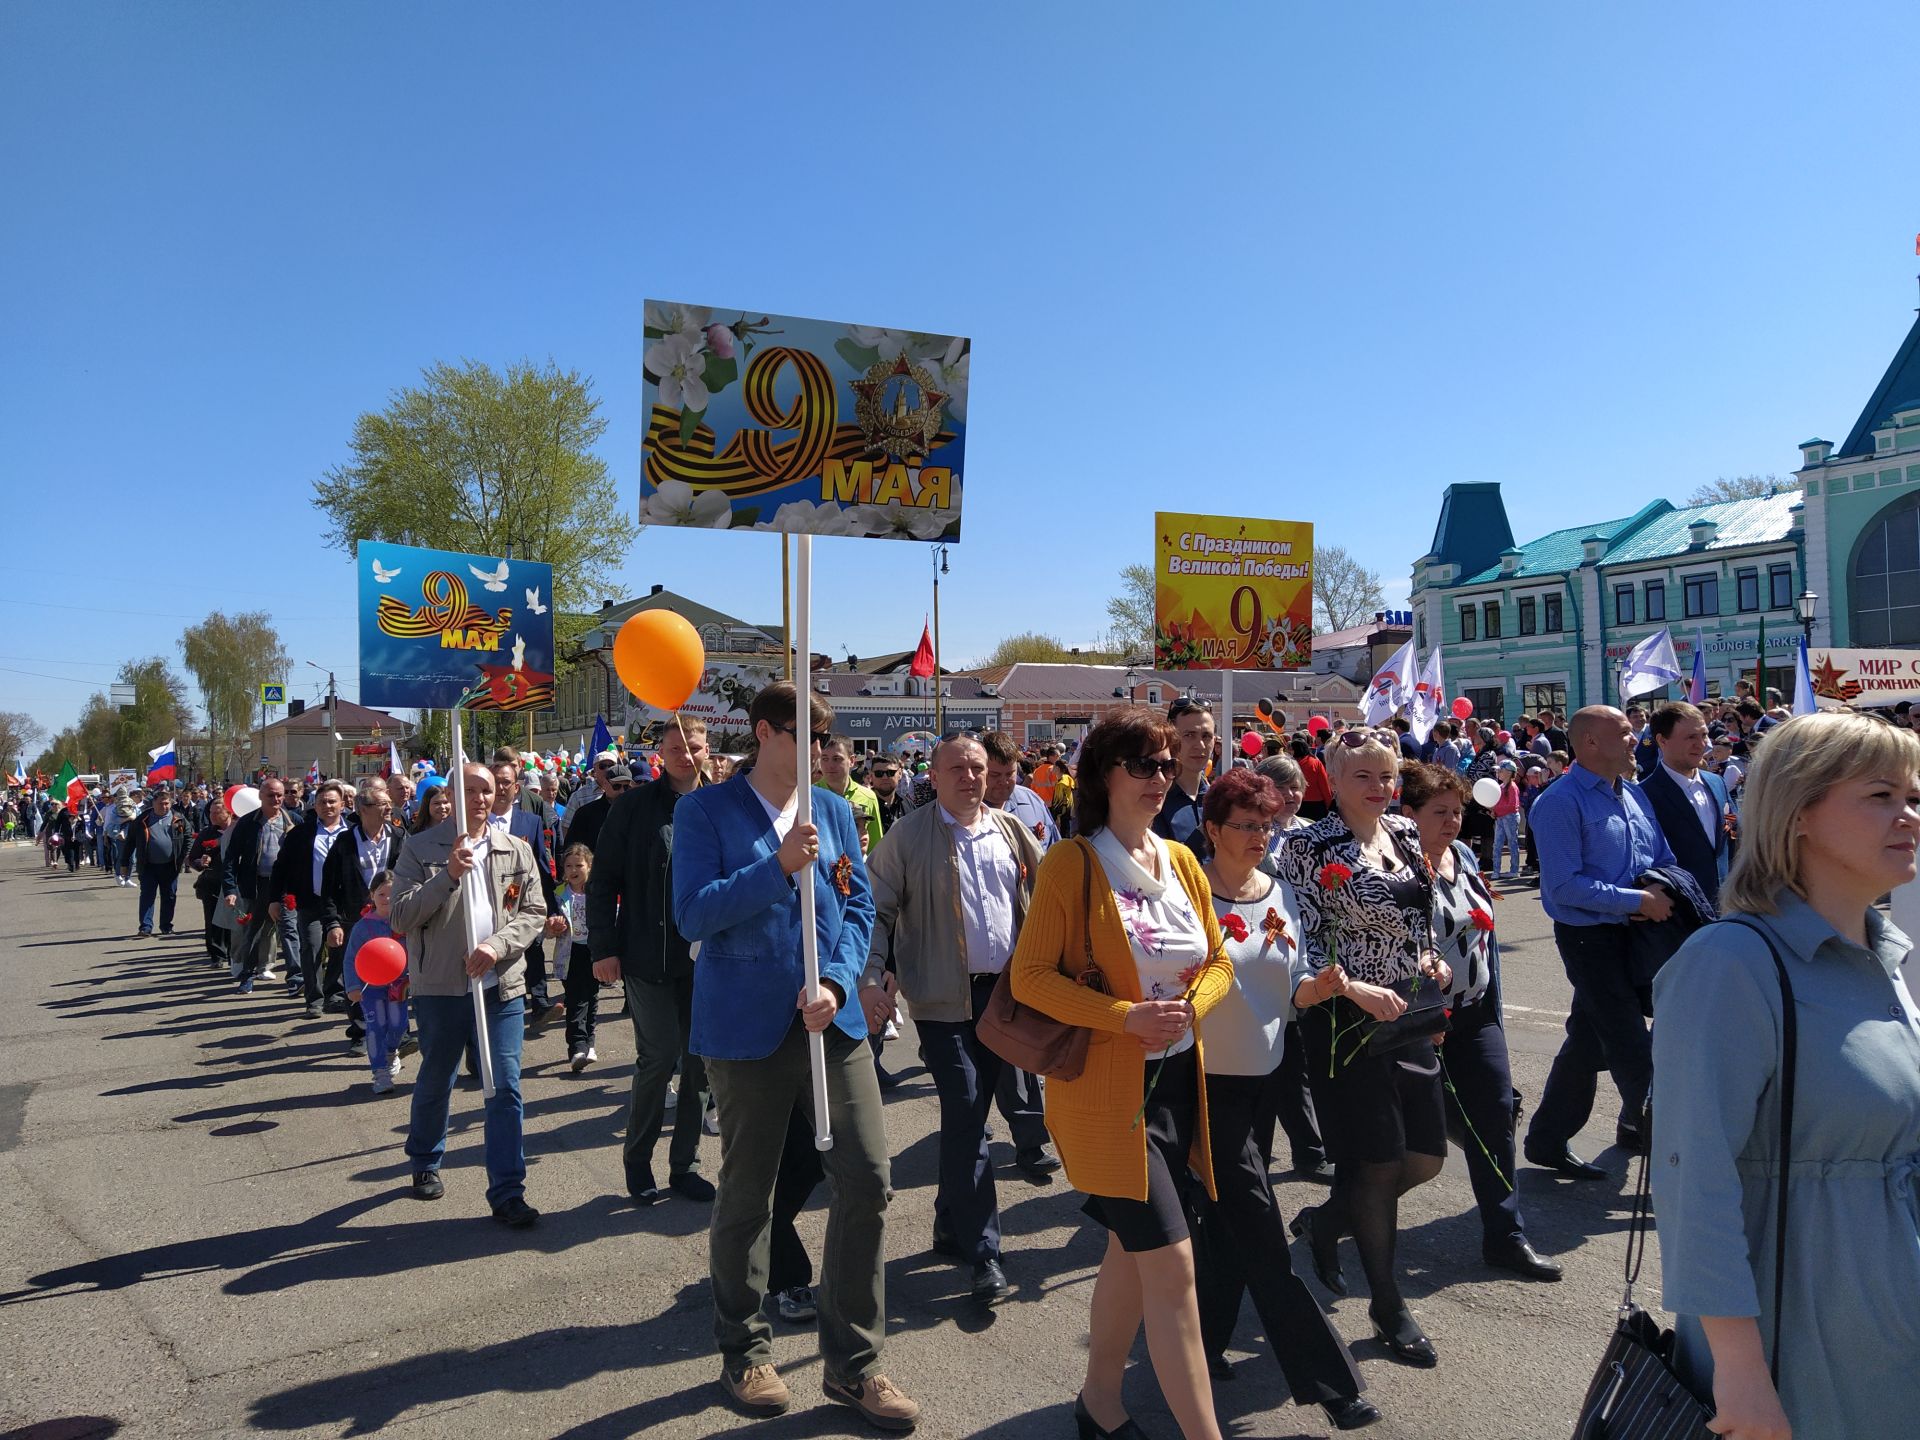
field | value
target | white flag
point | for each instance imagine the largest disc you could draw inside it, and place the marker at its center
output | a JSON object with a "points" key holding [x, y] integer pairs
{"points": [[1391, 686], [1428, 696], [1650, 664]]}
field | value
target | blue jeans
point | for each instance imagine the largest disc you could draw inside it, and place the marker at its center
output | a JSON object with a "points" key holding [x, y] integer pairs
{"points": [[1506, 841], [446, 1027], [161, 880]]}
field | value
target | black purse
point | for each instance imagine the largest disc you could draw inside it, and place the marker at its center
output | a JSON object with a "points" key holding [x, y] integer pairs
{"points": [[1424, 1017], [1635, 1394]]}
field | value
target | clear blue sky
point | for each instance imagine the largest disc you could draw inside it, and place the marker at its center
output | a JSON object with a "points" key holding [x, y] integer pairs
{"points": [[1314, 262]]}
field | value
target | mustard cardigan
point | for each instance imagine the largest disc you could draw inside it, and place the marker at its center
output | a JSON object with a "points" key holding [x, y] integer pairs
{"points": [[1091, 1119]]}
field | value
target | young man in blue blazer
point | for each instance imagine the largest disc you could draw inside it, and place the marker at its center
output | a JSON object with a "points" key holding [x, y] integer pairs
{"points": [[739, 858], [1689, 802]]}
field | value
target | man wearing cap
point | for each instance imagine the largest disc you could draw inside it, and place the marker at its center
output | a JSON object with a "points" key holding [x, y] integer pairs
{"points": [[591, 787], [584, 822]]}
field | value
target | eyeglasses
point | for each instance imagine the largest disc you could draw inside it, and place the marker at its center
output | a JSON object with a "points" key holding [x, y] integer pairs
{"points": [[1145, 767], [1258, 827], [818, 737]]}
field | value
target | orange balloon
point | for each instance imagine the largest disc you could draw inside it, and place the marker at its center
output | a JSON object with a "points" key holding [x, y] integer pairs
{"points": [[659, 657]]}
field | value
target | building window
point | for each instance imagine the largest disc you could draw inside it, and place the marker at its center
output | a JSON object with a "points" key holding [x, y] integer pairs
{"points": [[1039, 731], [1885, 592], [1489, 705], [1702, 595], [1490, 617], [1551, 620], [1746, 589], [1623, 605], [1469, 623], [1420, 630], [1780, 587], [1535, 698], [1656, 600], [1528, 609]]}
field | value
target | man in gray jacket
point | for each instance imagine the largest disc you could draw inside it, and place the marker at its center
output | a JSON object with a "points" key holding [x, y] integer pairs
{"points": [[951, 881], [428, 910]]}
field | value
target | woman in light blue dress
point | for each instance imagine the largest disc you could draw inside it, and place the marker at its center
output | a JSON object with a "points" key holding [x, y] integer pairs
{"points": [[1831, 817]]}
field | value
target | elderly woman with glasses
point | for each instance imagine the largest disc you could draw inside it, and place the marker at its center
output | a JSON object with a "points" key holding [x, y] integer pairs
{"points": [[1120, 937], [1241, 1242], [1366, 903]]}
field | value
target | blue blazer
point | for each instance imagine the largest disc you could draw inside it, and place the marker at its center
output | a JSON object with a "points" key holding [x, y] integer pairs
{"points": [[730, 894], [1707, 861]]}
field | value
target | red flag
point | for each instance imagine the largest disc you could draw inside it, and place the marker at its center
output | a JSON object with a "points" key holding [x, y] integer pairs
{"points": [[923, 657]]}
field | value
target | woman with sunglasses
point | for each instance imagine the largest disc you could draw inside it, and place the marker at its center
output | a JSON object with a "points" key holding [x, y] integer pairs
{"points": [[1366, 903], [1241, 1242], [1120, 937]]}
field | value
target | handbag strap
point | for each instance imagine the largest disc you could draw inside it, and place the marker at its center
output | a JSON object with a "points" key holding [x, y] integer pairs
{"points": [[1086, 925], [1789, 1058]]}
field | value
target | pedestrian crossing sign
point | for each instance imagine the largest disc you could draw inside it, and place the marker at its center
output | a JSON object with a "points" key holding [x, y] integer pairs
{"points": [[272, 694]]}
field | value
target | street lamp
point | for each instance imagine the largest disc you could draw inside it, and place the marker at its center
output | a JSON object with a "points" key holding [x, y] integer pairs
{"points": [[1806, 603], [1133, 679], [939, 569]]}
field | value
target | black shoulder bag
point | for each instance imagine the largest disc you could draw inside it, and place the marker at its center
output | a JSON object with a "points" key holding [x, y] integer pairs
{"points": [[1635, 1394]]}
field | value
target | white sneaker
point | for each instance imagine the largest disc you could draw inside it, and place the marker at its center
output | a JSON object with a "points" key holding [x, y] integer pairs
{"points": [[383, 1084], [710, 1122], [892, 1032], [395, 1069], [268, 977], [583, 1058]]}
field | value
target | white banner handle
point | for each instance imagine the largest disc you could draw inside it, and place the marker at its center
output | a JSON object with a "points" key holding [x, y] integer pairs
{"points": [[803, 815], [469, 911]]}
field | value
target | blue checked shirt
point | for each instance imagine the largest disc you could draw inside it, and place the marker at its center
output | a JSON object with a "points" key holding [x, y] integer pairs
{"points": [[1595, 841]]}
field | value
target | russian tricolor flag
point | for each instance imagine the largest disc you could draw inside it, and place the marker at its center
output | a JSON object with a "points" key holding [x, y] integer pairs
{"points": [[164, 763]]}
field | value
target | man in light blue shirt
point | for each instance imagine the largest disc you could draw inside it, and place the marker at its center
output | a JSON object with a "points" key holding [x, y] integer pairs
{"points": [[1597, 836]]}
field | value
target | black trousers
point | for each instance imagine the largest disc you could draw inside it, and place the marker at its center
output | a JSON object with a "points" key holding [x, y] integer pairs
{"points": [[1293, 1107], [1240, 1244], [1480, 1112], [583, 998], [966, 1075], [1607, 1030], [217, 935]]}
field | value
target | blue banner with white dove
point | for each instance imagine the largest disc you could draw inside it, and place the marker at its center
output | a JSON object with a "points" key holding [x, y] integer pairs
{"points": [[440, 628], [1650, 665]]}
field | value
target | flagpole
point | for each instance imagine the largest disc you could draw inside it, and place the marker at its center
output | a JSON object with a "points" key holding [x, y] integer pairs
{"points": [[803, 815]]}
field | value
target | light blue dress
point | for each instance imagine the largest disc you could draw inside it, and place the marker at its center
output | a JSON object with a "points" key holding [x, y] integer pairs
{"points": [[1850, 1337]]}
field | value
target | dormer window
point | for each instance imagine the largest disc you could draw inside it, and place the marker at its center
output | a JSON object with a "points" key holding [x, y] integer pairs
{"points": [[1814, 452], [1701, 532]]}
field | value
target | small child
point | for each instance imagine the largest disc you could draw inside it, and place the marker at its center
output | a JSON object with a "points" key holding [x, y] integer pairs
{"points": [[575, 966], [383, 1006], [1506, 823]]}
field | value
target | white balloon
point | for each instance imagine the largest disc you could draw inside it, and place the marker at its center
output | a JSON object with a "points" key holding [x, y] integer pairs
{"points": [[1486, 792], [246, 800]]}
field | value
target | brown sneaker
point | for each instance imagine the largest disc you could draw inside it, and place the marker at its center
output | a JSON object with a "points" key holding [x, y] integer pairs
{"points": [[758, 1389], [885, 1404]]}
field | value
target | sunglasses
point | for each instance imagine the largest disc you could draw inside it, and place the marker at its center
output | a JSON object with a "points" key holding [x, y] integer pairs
{"points": [[884, 774], [1354, 739], [819, 737], [1188, 707], [1144, 767]]}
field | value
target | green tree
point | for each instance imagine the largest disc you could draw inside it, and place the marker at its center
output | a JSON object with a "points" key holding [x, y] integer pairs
{"points": [[1345, 592], [1130, 614], [228, 656], [160, 711], [1741, 487]]}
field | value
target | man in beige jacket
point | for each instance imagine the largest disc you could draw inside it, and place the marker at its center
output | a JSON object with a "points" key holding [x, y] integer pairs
{"points": [[430, 914], [951, 882]]}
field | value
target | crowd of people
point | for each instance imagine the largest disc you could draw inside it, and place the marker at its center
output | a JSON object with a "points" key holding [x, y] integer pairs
{"points": [[1299, 942]]}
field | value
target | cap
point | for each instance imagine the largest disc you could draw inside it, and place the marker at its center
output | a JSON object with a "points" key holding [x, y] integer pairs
{"points": [[618, 774]]}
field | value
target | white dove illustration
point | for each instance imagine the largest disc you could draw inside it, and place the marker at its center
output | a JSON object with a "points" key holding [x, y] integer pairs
{"points": [[495, 580], [533, 601], [382, 575], [519, 651]]}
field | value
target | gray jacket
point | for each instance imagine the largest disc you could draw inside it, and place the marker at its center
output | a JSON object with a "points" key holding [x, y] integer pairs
{"points": [[428, 915], [915, 874]]}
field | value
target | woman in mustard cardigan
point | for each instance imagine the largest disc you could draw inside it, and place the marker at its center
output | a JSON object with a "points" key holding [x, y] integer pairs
{"points": [[1121, 937]]}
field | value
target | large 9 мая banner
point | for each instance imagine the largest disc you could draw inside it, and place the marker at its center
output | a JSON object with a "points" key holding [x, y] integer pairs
{"points": [[1232, 594], [771, 422], [439, 628]]}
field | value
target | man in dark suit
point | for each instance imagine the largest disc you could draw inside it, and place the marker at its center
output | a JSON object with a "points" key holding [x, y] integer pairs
{"points": [[507, 815], [297, 881], [1689, 802]]}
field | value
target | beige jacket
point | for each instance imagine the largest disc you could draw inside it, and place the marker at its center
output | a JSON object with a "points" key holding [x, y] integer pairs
{"points": [[427, 913], [915, 874]]}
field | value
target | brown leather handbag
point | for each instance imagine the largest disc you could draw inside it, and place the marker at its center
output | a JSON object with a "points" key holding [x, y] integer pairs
{"points": [[1027, 1038]]}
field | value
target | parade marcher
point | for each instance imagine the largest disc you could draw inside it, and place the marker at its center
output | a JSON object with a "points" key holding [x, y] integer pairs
{"points": [[634, 941], [1690, 802], [836, 774], [207, 859], [1241, 1242], [739, 856], [1366, 902], [573, 958], [383, 1007], [1598, 837], [158, 841], [298, 881], [1005, 792], [372, 844], [583, 821], [428, 909], [1122, 901], [1293, 1096], [1179, 819], [507, 817], [883, 779], [1833, 814], [1481, 1101], [253, 849], [957, 857]]}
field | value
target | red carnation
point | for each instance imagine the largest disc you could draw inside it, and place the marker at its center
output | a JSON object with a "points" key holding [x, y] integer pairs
{"points": [[1481, 919], [1332, 877], [1234, 926]]}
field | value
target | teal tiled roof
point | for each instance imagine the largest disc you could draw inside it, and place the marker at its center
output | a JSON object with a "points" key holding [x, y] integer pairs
{"points": [[1741, 522], [1552, 553]]}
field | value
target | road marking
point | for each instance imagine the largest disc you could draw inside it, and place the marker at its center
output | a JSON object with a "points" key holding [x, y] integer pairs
{"points": [[1547, 1017]]}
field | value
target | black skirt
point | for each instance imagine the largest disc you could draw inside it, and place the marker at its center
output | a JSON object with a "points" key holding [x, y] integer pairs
{"points": [[1373, 1109], [1172, 1119]]}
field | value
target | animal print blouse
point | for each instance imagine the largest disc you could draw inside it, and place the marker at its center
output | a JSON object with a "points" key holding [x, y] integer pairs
{"points": [[1383, 918]]}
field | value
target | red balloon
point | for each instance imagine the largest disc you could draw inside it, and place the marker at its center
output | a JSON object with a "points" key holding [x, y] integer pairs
{"points": [[1317, 723], [380, 961], [1250, 744], [1504, 736], [1462, 708]]}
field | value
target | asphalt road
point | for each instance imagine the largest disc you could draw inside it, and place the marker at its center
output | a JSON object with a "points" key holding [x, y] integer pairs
{"points": [[205, 1229]]}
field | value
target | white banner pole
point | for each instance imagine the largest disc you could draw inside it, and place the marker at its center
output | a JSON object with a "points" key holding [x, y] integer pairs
{"points": [[482, 1042], [803, 815], [1230, 753]]}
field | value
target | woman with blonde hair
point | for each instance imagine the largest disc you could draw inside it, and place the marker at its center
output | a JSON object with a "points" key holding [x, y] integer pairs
{"points": [[1366, 905], [1831, 818]]}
